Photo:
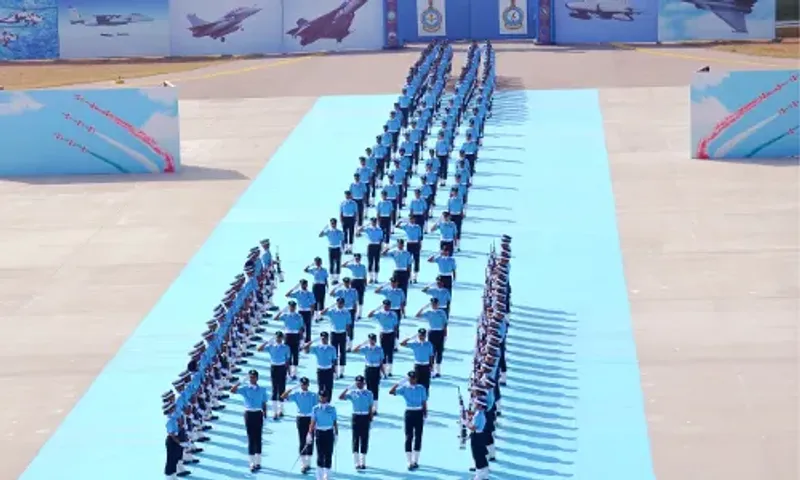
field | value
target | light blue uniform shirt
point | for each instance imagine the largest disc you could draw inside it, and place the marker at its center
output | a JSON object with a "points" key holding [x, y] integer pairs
{"points": [[437, 319], [375, 234], [386, 140], [447, 265], [398, 175], [402, 261], [364, 174], [305, 401], [305, 299], [385, 209], [479, 421], [172, 425], [339, 319], [470, 147], [359, 270], [255, 396], [423, 351], [335, 237], [350, 296], [387, 320], [432, 176], [348, 208], [395, 295], [442, 147], [392, 190], [320, 274], [407, 145], [324, 416], [490, 399], [362, 401], [416, 135], [447, 230], [325, 354], [413, 232], [278, 353], [358, 190], [404, 101], [373, 356], [293, 321], [427, 191], [415, 396], [418, 206], [455, 205], [435, 164]]}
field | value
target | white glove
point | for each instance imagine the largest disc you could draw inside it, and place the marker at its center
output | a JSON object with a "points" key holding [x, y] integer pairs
{"points": [[309, 438]]}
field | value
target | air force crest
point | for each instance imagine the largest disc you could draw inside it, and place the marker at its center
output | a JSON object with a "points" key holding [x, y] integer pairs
{"points": [[431, 19], [513, 17]]}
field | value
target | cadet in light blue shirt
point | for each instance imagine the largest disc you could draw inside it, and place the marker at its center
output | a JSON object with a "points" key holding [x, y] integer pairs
{"points": [[305, 303], [320, 276], [392, 190], [293, 323], [255, 406], [326, 359], [348, 214], [447, 268], [416, 411], [375, 235], [359, 191], [279, 354], [324, 425], [402, 266], [305, 400], [373, 366], [423, 357], [447, 232], [389, 323], [437, 321], [340, 318], [336, 239], [385, 210], [362, 400]]}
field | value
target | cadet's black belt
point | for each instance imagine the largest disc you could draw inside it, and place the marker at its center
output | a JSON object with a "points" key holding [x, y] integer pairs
{"points": [[349, 216], [324, 429], [342, 331]]}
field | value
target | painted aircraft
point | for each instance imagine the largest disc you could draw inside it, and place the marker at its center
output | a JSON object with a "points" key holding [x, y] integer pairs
{"points": [[22, 17], [230, 23], [731, 12], [106, 20], [604, 10], [334, 24], [7, 38]]}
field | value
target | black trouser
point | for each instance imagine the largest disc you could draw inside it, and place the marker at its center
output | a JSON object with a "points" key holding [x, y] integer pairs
{"points": [[447, 283], [414, 422], [360, 203], [339, 342], [436, 337], [421, 218], [415, 248], [446, 244], [349, 228], [278, 377], [477, 443], [497, 395], [306, 314], [471, 157], [302, 432], [334, 261], [399, 314], [503, 366], [443, 160], [402, 280], [374, 257], [360, 284], [318, 289], [423, 372], [352, 324], [361, 433], [458, 219], [393, 218], [395, 137], [293, 341], [386, 226], [380, 166], [372, 375], [325, 441], [325, 380], [387, 344], [174, 455], [491, 418], [254, 423]]}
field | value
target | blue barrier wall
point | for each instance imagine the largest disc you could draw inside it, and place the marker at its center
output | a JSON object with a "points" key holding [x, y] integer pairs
{"points": [[606, 21], [86, 132], [467, 19], [748, 114], [682, 20]]}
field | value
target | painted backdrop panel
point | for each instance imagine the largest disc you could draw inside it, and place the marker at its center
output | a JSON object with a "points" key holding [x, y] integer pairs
{"points": [[431, 18], [327, 25], [746, 114], [63, 132], [113, 28], [605, 21], [716, 20], [28, 29], [225, 27]]}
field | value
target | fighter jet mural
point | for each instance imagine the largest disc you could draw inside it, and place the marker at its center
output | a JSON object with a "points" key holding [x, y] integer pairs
{"points": [[231, 22], [6, 38], [22, 18], [731, 12], [106, 20], [604, 10], [334, 25]]}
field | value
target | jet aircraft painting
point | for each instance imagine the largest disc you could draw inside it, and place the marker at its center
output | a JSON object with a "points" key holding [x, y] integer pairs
{"points": [[6, 38], [106, 20], [230, 23], [334, 25], [602, 9], [21, 18], [731, 12]]}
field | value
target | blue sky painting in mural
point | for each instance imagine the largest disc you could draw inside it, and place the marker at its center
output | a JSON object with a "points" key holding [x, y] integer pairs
{"points": [[767, 131], [605, 21], [28, 29], [681, 20], [53, 132], [113, 28], [225, 27]]}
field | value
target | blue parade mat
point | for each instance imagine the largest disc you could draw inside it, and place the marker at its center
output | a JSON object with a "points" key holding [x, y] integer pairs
{"points": [[573, 406]]}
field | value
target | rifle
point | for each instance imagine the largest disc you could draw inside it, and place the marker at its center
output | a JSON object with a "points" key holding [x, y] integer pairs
{"points": [[278, 268], [462, 436]]}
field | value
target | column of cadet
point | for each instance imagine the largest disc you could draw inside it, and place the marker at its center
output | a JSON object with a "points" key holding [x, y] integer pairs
{"points": [[392, 176]]}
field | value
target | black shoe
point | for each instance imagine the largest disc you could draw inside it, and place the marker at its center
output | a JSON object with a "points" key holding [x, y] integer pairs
{"points": [[415, 466], [204, 439], [492, 459], [257, 338], [305, 469], [258, 467], [192, 461], [196, 450], [472, 469], [253, 469], [184, 473], [436, 375], [218, 408]]}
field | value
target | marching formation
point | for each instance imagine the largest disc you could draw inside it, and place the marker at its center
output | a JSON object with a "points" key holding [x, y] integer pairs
{"points": [[393, 205]]}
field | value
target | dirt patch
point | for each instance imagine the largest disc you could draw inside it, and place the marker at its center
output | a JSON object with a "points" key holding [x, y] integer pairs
{"points": [[19, 76], [788, 48]]}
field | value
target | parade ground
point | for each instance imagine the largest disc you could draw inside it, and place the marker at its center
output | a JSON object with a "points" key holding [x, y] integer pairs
{"points": [[655, 298]]}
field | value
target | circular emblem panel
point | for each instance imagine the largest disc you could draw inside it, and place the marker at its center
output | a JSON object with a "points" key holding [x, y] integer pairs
{"points": [[431, 20], [513, 18]]}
